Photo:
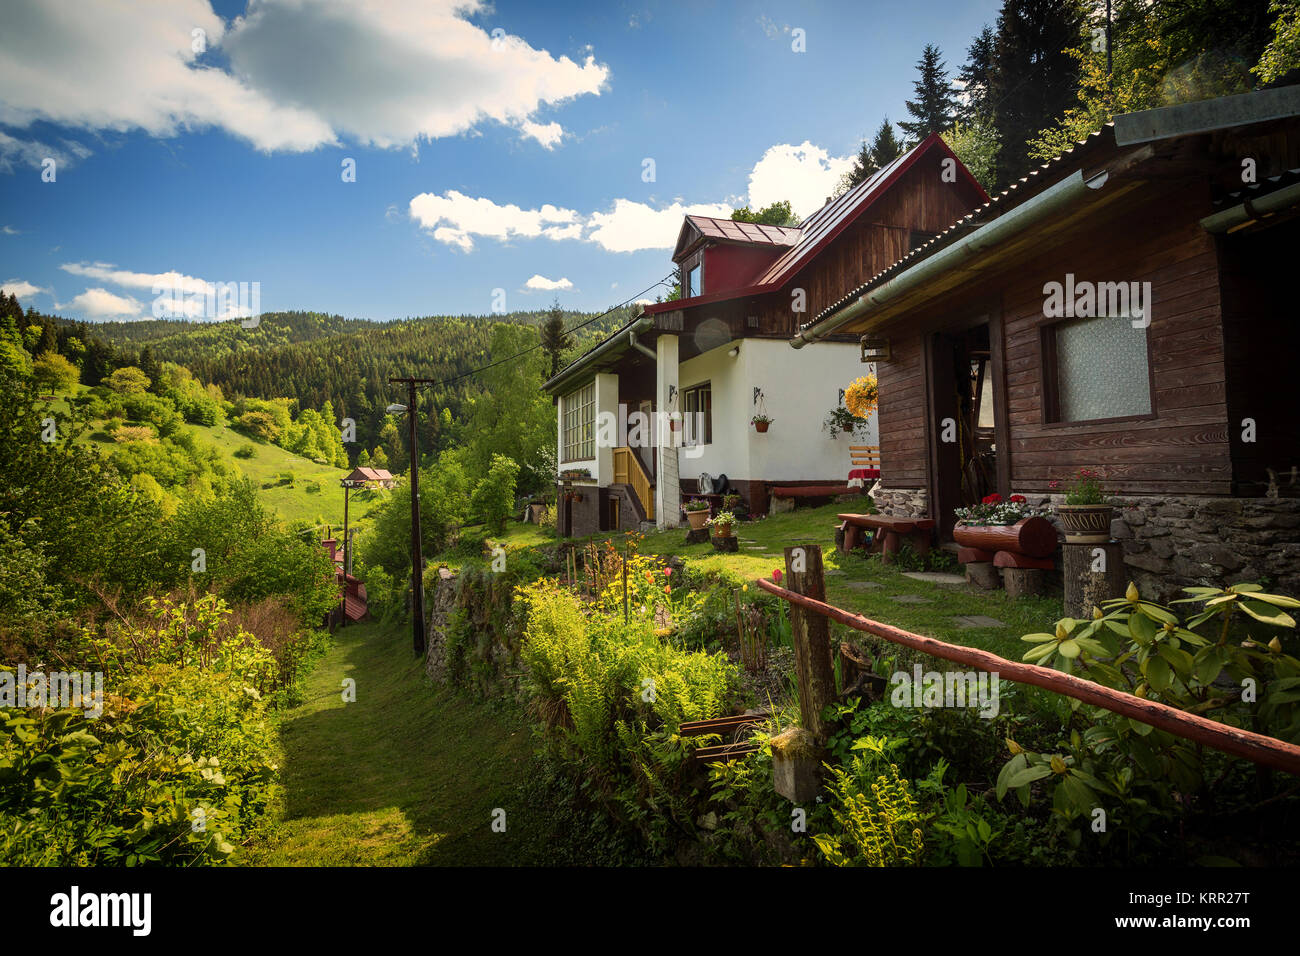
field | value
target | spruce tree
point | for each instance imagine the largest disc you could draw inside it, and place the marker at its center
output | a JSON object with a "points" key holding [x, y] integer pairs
{"points": [[934, 106], [555, 340], [975, 76]]}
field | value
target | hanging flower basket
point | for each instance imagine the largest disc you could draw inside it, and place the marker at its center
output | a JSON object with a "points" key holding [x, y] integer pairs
{"points": [[760, 423]]}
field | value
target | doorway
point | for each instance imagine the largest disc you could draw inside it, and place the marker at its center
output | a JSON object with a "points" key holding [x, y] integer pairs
{"points": [[967, 414]]}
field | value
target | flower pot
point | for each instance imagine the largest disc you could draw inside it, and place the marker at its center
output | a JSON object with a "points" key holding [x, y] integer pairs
{"points": [[761, 427], [697, 519], [723, 530], [1085, 524], [847, 428]]}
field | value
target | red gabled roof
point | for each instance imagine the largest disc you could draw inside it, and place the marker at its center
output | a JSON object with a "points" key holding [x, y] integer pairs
{"points": [[828, 222], [748, 232], [822, 227]]}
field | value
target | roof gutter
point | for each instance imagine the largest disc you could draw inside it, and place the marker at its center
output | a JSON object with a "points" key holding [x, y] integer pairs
{"points": [[644, 350], [1050, 202], [612, 343], [1252, 209]]}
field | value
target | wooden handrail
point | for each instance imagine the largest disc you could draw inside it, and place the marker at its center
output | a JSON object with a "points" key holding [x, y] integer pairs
{"points": [[1259, 748], [629, 470]]}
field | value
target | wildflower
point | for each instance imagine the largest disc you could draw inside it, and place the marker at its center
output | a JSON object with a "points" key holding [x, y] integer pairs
{"points": [[1054, 483], [744, 587]]}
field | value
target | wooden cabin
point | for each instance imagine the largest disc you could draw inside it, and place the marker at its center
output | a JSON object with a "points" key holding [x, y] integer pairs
{"points": [[1126, 307], [699, 368]]}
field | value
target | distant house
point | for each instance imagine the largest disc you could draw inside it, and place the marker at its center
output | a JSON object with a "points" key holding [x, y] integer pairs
{"points": [[354, 605], [360, 477], [668, 399], [1128, 307]]}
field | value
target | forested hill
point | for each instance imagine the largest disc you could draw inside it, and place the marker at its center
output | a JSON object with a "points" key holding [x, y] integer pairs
{"points": [[316, 359]]}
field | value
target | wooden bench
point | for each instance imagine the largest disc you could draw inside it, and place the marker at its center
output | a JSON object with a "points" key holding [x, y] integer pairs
{"points": [[889, 533]]}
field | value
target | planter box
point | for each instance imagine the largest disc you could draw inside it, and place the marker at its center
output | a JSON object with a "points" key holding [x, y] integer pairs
{"points": [[696, 519]]}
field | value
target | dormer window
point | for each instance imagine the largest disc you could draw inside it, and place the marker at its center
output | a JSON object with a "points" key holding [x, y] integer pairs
{"points": [[695, 281]]}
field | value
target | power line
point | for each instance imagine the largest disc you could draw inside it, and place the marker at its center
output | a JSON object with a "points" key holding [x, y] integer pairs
{"points": [[533, 348]]}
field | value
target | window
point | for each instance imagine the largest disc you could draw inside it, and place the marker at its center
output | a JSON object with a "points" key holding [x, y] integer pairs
{"points": [[579, 418], [1098, 369], [695, 281], [697, 408]]}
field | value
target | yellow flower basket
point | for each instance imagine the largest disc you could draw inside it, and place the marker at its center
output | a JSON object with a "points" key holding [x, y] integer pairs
{"points": [[862, 396]]}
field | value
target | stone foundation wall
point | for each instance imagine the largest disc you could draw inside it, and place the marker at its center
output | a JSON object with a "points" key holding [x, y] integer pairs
{"points": [[899, 502], [440, 601], [1185, 541]]}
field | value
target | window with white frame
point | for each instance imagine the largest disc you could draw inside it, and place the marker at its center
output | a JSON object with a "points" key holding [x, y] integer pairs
{"points": [[695, 281], [697, 409], [578, 437]]}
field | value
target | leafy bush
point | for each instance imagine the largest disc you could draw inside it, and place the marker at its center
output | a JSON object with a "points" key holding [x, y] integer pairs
{"points": [[245, 450], [177, 769], [879, 821], [494, 495]]}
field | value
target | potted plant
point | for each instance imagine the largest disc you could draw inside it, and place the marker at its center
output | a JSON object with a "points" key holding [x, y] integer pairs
{"points": [[862, 396], [722, 524], [1086, 512], [841, 420], [760, 423], [697, 512]]}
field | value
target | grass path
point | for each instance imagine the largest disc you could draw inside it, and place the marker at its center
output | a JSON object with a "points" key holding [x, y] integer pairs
{"points": [[406, 775]]}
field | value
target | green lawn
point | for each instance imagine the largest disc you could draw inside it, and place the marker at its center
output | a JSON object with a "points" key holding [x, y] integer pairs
{"points": [[409, 774], [761, 550]]}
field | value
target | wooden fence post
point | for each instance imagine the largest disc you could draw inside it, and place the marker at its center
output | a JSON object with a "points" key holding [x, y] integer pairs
{"points": [[811, 633]]}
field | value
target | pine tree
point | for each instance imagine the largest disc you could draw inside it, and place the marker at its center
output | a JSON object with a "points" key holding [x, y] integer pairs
{"points": [[975, 103], [883, 149], [934, 106], [555, 340], [1034, 79]]}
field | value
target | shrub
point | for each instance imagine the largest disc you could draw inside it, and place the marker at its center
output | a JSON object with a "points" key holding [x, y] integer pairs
{"points": [[494, 495], [245, 450]]}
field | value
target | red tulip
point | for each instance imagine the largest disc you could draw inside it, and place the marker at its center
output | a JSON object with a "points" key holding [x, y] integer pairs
{"points": [[776, 575]]}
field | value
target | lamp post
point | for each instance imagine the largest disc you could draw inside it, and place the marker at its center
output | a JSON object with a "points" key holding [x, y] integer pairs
{"points": [[417, 559]]}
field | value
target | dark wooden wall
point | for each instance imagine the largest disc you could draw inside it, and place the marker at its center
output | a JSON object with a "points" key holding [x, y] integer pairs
{"points": [[1182, 448]]}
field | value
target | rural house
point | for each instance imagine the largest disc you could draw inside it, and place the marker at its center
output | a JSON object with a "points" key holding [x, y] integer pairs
{"points": [[1126, 308], [648, 413]]}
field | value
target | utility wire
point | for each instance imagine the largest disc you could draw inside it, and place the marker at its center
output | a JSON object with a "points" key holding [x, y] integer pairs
{"points": [[534, 348]]}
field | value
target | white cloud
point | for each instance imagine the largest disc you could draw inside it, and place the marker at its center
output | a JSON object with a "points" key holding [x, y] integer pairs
{"points": [[548, 135], [804, 174], [542, 284], [455, 219], [415, 69], [9, 231], [33, 153], [632, 226], [101, 305], [176, 295], [22, 288]]}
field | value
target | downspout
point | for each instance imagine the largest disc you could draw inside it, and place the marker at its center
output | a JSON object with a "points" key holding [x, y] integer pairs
{"points": [[1046, 204], [644, 350], [555, 384], [1229, 219]]}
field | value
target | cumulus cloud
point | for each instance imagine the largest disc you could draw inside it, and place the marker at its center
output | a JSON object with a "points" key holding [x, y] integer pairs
{"points": [[416, 69], [804, 174], [22, 288], [540, 283], [176, 295], [455, 219], [99, 305], [632, 226]]}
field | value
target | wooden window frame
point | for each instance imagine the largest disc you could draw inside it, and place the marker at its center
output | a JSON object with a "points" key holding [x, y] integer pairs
{"points": [[578, 424], [687, 439], [1051, 405]]}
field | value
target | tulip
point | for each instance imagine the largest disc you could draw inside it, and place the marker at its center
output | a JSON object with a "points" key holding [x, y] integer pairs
{"points": [[776, 575]]}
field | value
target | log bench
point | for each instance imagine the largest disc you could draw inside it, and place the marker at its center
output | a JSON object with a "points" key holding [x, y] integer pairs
{"points": [[889, 533], [1022, 550]]}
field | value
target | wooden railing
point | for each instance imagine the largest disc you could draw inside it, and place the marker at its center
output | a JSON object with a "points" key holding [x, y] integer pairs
{"points": [[629, 471]]}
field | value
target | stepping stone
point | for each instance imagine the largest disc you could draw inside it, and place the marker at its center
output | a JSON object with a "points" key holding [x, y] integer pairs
{"points": [[911, 599], [830, 571], [935, 577], [978, 620], [863, 585]]}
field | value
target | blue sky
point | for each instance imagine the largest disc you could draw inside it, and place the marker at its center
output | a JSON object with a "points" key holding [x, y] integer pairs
{"points": [[481, 164]]}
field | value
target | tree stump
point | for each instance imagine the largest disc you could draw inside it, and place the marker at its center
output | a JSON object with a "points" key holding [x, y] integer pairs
{"points": [[1024, 582], [1094, 573], [697, 537], [983, 574], [729, 543]]}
